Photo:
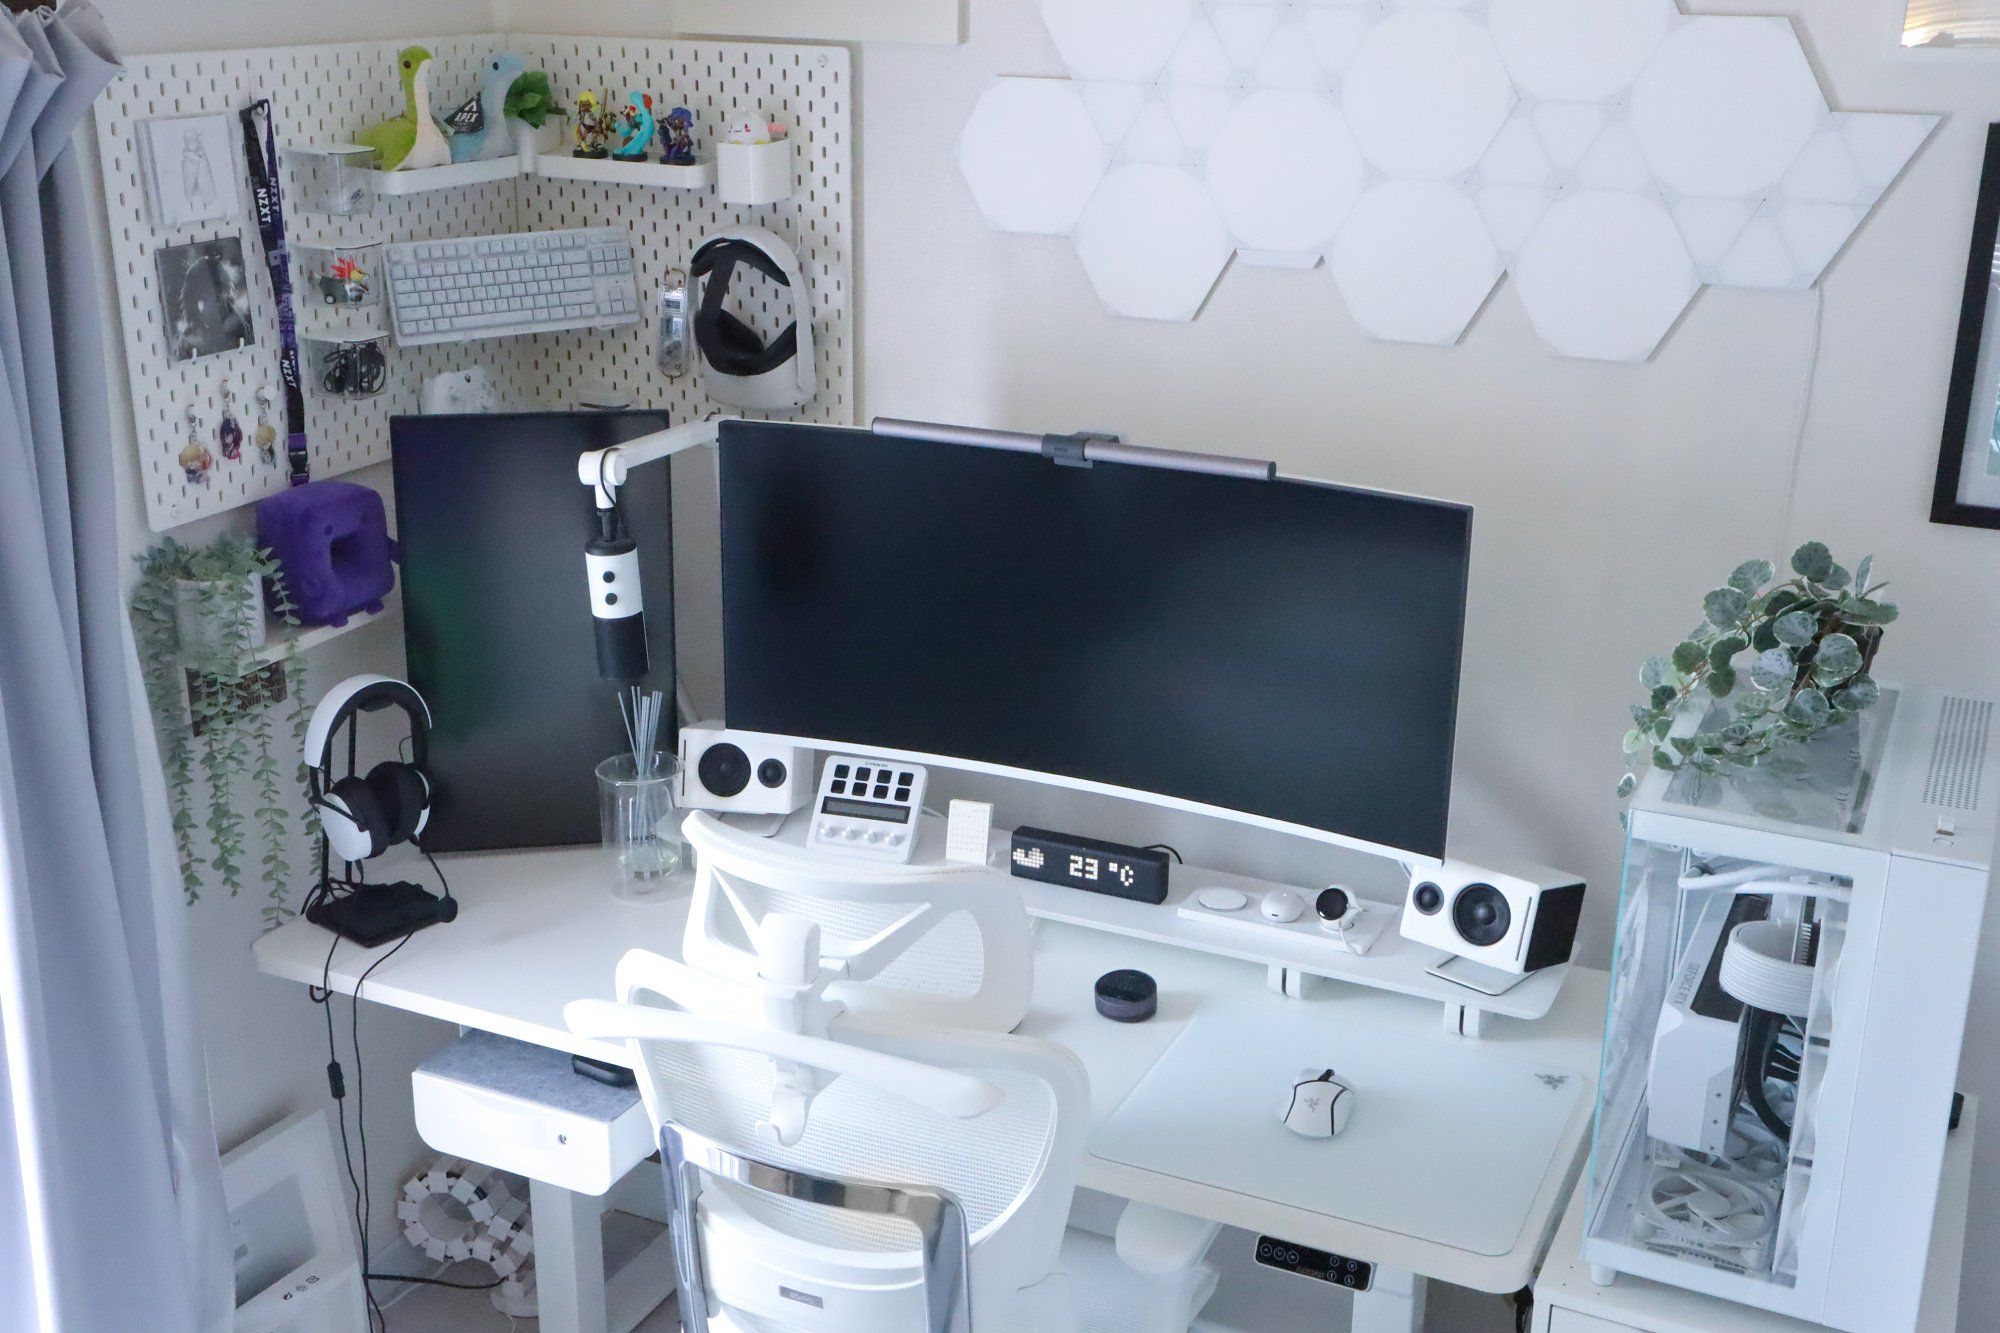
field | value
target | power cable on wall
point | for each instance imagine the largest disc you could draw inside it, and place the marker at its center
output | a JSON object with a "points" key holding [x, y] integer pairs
{"points": [[1805, 417]]}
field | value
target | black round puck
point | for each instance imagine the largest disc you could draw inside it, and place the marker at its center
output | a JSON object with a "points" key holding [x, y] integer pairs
{"points": [[1127, 996]]}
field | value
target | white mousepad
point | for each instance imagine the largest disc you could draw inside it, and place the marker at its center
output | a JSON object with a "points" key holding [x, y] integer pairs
{"points": [[1448, 1141]]}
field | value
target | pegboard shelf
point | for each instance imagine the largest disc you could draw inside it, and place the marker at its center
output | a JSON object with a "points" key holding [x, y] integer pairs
{"points": [[457, 176], [605, 171], [302, 638]]}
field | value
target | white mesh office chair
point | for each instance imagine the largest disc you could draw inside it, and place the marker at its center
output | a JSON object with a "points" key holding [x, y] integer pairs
{"points": [[923, 943], [929, 1190], [833, 1169]]}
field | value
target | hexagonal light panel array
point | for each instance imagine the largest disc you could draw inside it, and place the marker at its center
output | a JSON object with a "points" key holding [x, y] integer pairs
{"points": [[1613, 155]]}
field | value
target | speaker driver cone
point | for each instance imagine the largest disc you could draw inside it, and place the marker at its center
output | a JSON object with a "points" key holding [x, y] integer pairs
{"points": [[724, 770], [1481, 915]]}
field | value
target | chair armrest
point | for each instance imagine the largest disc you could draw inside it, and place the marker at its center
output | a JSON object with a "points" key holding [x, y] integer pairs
{"points": [[1155, 1241]]}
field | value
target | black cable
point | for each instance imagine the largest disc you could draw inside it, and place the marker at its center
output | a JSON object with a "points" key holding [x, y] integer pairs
{"points": [[365, 1205], [1163, 847], [435, 1281], [1760, 1036]]}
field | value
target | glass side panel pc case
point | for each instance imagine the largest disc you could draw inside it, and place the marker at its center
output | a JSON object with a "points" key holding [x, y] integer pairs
{"points": [[1790, 980]]}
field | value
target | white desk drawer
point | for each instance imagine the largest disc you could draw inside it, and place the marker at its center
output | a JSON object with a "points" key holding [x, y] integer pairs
{"points": [[1569, 1321], [520, 1108]]}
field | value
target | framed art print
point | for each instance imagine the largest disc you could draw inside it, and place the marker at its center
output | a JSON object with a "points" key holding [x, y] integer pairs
{"points": [[1967, 491], [189, 164]]}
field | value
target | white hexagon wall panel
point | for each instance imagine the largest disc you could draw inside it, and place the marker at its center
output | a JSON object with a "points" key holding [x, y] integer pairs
{"points": [[1032, 155], [1152, 242], [1613, 156]]}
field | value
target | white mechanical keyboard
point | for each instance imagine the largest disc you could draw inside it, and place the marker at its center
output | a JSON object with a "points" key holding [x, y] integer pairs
{"points": [[496, 286]]}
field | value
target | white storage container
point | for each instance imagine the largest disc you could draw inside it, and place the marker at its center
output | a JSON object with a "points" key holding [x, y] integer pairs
{"points": [[753, 173]]}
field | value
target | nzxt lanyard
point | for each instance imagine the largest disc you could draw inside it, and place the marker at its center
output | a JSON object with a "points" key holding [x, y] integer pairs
{"points": [[261, 149]]}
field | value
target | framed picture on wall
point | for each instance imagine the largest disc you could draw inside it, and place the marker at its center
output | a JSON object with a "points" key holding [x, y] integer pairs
{"points": [[1968, 473]]}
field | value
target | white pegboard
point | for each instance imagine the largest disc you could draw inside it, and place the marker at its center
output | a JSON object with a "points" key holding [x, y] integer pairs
{"points": [[807, 88], [325, 94]]}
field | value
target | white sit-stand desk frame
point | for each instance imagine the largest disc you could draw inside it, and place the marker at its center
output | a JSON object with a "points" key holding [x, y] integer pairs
{"points": [[539, 929]]}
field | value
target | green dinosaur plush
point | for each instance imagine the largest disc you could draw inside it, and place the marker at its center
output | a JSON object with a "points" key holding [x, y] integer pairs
{"points": [[532, 100], [414, 139]]}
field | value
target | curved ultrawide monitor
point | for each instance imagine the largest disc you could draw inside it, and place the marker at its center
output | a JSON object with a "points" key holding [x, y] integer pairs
{"points": [[1284, 649]]}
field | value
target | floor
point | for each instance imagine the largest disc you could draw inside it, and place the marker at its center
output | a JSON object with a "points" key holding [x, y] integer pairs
{"points": [[438, 1310]]}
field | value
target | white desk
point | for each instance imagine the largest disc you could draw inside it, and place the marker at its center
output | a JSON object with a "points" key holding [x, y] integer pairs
{"points": [[539, 929]]}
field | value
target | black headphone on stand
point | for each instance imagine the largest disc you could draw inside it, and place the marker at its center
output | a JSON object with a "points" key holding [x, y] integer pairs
{"points": [[366, 816], [361, 817]]}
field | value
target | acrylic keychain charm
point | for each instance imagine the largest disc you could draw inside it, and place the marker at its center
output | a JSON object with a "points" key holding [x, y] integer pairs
{"points": [[195, 459], [267, 434], [230, 432]]}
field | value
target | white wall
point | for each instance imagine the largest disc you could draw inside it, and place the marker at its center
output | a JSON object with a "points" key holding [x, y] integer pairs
{"points": [[266, 1044]]}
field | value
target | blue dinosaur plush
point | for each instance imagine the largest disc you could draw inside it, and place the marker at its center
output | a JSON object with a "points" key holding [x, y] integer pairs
{"points": [[479, 129]]}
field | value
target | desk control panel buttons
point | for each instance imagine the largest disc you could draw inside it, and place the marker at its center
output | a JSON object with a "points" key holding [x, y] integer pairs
{"points": [[868, 807], [1321, 1265]]}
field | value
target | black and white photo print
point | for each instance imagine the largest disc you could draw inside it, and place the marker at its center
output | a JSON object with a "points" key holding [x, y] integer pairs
{"points": [[205, 298]]}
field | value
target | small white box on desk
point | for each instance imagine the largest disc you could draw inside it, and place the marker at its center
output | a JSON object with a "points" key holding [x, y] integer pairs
{"points": [[753, 173], [522, 1108]]}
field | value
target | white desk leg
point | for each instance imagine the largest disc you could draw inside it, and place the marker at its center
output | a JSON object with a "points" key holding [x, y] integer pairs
{"points": [[569, 1259], [1394, 1304]]}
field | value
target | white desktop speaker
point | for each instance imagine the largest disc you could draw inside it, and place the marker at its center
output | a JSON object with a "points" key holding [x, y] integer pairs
{"points": [[738, 773], [1505, 922]]}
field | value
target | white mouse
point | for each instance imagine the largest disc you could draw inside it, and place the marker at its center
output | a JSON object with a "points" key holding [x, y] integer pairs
{"points": [[1282, 905], [1318, 1105]]}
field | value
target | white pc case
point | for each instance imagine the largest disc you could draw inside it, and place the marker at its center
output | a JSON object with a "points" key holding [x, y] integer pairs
{"points": [[1788, 1157]]}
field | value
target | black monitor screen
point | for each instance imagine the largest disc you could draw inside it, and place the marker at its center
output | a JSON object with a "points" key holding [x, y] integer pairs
{"points": [[1286, 649], [496, 617]]}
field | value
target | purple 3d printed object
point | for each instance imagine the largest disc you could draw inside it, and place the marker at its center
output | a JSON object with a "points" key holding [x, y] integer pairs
{"points": [[331, 539]]}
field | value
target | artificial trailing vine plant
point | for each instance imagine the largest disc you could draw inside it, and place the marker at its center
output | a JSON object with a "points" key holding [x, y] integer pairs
{"points": [[1813, 637], [197, 615]]}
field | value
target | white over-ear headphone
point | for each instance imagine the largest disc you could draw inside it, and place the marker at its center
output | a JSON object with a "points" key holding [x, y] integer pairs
{"points": [[365, 816]]}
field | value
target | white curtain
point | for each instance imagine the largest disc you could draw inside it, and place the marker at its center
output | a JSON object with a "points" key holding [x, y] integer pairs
{"points": [[111, 1216]]}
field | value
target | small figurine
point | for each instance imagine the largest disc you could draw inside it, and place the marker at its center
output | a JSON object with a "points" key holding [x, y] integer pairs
{"points": [[346, 284], [267, 434], [637, 125], [195, 459], [593, 129], [753, 128], [414, 139], [678, 148], [230, 433], [478, 128]]}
